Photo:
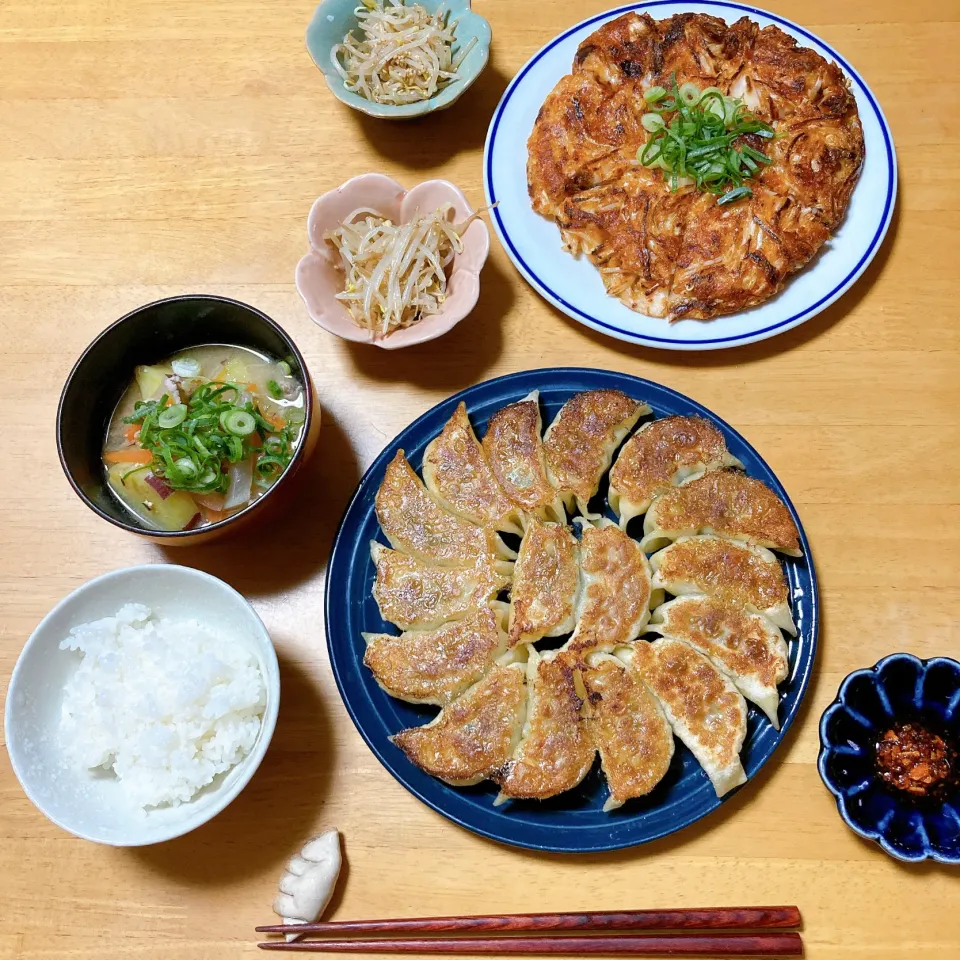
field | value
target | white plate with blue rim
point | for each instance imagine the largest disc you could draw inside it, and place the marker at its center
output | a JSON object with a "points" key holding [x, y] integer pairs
{"points": [[574, 285]]}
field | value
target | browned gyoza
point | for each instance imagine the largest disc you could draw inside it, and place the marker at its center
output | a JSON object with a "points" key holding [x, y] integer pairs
{"points": [[680, 254], [533, 720]]}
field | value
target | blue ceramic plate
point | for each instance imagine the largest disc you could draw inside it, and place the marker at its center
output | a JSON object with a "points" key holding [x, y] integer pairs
{"points": [[573, 822]]}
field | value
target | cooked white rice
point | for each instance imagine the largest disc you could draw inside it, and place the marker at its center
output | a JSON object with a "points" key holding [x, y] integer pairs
{"points": [[166, 705]]}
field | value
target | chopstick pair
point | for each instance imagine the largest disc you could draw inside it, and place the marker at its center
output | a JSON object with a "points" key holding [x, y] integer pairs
{"points": [[712, 939]]}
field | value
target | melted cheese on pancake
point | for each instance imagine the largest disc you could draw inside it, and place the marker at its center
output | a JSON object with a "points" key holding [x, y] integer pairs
{"points": [[410, 593], [733, 571], [514, 449], [436, 666], [477, 734], [704, 708], [457, 473], [746, 646], [614, 599], [544, 593], [581, 441], [628, 727], [414, 522], [727, 503], [555, 752], [661, 454]]}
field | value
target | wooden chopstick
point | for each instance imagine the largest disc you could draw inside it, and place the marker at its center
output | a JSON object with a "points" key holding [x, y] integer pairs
{"points": [[684, 944], [717, 918]]}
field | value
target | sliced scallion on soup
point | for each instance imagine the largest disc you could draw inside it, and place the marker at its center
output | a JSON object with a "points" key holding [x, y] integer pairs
{"points": [[201, 436]]}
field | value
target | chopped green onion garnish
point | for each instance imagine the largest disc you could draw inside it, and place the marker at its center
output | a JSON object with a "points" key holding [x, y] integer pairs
{"points": [[172, 416], [269, 466], [193, 443], [285, 368], [652, 122], [692, 139], [186, 467], [735, 194], [238, 423], [274, 389]]}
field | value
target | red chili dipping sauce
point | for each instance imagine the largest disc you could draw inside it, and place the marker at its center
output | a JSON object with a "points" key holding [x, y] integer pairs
{"points": [[915, 760]]}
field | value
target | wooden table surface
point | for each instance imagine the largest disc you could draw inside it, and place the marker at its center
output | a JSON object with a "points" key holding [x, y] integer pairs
{"points": [[155, 147]]}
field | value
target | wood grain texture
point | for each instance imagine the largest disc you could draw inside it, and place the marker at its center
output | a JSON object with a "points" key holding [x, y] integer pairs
{"points": [[155, 147], [655, 945], [717, 918]]}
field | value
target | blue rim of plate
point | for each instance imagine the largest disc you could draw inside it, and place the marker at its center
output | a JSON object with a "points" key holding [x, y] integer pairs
{"points": [[669, 342], [572, 822]]}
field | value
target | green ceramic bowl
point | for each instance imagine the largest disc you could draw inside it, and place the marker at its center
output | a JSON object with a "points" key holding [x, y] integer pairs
{"points": [[333, 19]]}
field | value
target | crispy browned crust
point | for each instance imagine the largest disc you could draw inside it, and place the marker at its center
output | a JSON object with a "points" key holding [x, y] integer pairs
{"points": [[456, 471], [415, 523], [726, 569], [410, 593], [650, 460], [727, 503], [514, 449], [545, 581], [679, 255], [435, 666], [475, 735], [738, 640], [628, 728], [581, 441], [556, 752], [615, 589], [704, 708]]}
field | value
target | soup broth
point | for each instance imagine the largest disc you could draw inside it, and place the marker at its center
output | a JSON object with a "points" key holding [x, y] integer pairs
{"points": [[202, 435]]}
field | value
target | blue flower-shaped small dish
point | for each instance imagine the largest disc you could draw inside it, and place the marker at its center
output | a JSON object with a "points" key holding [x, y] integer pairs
{"points": [[899, 689], [334, 19]]}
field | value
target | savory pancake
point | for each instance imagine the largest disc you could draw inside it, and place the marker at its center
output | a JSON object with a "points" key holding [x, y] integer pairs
{"points": [[555, 751], [456, 472], [474, 736], [544, 594], [727, 569], [514, 449], [581, 441], [410, 593], [636, 262], [414, 522], [704, 708], [585, 134], [614, 598], [436, 666], [727, 503], [779, 76], [818, 153], [661, 454], [746, 646], [629, 729], [681, 254]]}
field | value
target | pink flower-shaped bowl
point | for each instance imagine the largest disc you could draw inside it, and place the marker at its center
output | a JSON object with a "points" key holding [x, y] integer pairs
{"points": [[319, 277]]}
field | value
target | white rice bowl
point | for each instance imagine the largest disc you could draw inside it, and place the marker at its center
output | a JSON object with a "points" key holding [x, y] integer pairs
{"points": [[50, 762], [166, 704]]}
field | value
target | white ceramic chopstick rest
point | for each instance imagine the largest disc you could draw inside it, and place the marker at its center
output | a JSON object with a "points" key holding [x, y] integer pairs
{"points": [[309, 880]]}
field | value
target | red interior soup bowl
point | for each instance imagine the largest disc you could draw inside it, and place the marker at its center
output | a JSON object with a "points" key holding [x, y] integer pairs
{"points": [[186, 417]]}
